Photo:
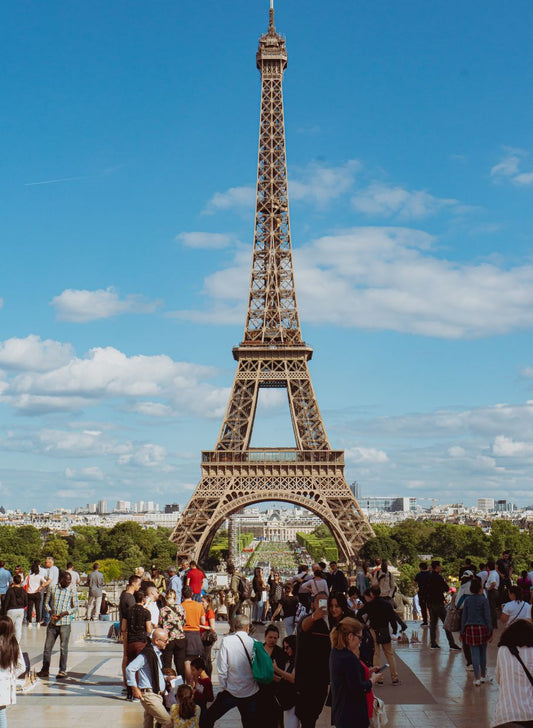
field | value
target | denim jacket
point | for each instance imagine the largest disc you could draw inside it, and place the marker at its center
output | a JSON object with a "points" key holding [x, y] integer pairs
{"points": [[476, 611]]}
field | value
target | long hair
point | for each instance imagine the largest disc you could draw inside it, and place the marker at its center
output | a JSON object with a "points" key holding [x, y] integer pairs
{"points": [[517, 634], [9, 647], [339, 633], [187, 706]]}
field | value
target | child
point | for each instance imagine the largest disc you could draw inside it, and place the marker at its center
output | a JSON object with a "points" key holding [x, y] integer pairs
{"points": [[171, 683], [203, 687], [185, 714]]}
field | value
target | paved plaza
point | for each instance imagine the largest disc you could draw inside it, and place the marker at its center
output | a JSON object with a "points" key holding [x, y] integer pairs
{"points": [[436, 689]]}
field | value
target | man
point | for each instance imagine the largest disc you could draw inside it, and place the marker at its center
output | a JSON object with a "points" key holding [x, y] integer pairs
{"points": [[238, 689], [125, 605], [505, 570], [325, 573], [235, 608], [5, 581], [492, 588], [184, 570], [152, 595], [144, 675], [421, 581], [52, 578], [96, 583], [337, 580], [436, 589], [275, 592], [159, 580], [75, 579], [61, 603], [194, 579], [175, 582], [380, 615], [312, 662]]}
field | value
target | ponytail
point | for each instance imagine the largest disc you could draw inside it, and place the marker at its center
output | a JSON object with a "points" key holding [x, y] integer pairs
{"points": [[187, 706]]}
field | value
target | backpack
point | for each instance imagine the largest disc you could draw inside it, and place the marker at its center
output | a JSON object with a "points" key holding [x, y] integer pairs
{"points": [[244, 587]]}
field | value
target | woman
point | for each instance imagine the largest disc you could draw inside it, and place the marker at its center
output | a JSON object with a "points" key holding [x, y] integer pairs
{"points": [[34, 583], [259, 587], [464, 593], [138, 627], [15, 602], [208, 634], [338, 608], [515, 649], [354, 598], [269, 708], [351, 680], [362, 579], [385, 580], [275, 593], [172, 618], [516, 608], [11, 665], [286, 691], [289, 604], [476, 629]]}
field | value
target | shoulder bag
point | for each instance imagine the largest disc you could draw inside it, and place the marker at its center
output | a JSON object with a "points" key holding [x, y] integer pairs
{"points": [[262, 665], [379, 714], [452, 621]]}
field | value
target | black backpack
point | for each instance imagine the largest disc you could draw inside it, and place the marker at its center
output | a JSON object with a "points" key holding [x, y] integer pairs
{"points": [[244, 587]]}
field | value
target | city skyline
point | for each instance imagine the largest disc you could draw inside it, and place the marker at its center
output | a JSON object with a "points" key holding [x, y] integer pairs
{"points": [[129, 192]]}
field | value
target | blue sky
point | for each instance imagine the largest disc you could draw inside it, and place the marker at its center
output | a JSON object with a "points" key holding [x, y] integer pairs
{"points": [[129, 150]]}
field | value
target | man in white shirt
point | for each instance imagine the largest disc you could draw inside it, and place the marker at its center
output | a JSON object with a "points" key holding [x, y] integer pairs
{"points": [[491, 587], [152, 595], [52, 577], [238, 689]]}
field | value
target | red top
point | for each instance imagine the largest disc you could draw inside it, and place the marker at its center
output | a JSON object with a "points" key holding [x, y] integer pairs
{"points": [[370, 695], [195, 577], [203, 692]]}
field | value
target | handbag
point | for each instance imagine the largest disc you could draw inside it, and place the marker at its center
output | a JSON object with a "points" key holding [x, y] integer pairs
{"points": [[379, 714], [382, 635], [452, 621]]}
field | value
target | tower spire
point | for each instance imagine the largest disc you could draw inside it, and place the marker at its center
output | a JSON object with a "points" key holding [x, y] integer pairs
{"points": [[271, 25]]}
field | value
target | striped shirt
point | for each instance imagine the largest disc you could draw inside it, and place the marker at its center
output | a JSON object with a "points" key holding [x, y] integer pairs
{"points": [[61, 600], [515, 701]]}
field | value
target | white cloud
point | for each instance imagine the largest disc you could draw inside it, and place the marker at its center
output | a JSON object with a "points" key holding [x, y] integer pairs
{"points": [[146, 456], [32, 353], [106, 374], [387, 278], [456, 451], [81, 306], [91, 473], [386, 201], [366, 455], [205, 241], [240, 198], [509, 167], [508, 448], [319, 184]]}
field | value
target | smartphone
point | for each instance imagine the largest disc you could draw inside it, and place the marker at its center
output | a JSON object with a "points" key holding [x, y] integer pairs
{"points": [[322, 603], [383, 667]]}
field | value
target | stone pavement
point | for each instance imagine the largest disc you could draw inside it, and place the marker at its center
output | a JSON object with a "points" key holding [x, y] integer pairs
{"points": [[436, 690]]}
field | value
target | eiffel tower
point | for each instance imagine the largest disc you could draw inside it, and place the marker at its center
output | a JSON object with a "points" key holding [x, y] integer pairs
{"points": [[272, 354]]}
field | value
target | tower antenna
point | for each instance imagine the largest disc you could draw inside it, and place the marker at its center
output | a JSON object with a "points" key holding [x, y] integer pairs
{"points": [[271, 16]]}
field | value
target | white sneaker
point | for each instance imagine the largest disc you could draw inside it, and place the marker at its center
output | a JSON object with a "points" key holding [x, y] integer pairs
{"points": [[486, 679], [38, 625], [30, 626], [477, 682], [470, 668]]}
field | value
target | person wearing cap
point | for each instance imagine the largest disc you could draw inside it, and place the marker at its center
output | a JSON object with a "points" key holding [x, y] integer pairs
{"points": [[462, 595]]}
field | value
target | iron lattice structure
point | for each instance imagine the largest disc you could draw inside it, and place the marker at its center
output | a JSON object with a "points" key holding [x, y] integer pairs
{"points": [[272, 354]]}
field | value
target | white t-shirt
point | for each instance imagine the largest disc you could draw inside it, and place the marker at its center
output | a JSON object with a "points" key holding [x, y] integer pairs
{"points": [[516, 610], [493, 578]]}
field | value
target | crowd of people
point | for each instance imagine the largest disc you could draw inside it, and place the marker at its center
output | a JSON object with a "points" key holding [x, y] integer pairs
{"points": [[336, 636]]}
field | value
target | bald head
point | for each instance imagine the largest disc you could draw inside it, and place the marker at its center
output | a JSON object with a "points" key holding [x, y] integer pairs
{"points": [[159, 638]]}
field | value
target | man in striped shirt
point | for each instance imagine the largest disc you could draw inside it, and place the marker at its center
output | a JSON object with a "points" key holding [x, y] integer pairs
{"points": [[62, 603]]}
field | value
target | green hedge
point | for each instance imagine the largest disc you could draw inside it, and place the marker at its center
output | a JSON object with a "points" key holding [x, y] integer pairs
{"points": [[318, 548]]}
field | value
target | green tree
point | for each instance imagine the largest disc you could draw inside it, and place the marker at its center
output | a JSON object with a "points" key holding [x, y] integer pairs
{"points": [[56, 547], [112, 569]]}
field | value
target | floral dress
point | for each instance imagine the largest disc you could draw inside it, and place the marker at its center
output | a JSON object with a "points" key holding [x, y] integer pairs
{"points": [[178, 722]]}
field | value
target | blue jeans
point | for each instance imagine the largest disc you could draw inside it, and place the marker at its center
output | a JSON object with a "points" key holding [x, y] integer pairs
{"points": [[479, 660], [52, 633], [225, 701], [3, 718]]}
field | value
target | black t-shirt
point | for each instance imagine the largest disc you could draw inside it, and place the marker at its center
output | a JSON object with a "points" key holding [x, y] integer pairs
{"points": [[289, 606], [312, 656], [139, 615], [422, 579], [125, 604]]}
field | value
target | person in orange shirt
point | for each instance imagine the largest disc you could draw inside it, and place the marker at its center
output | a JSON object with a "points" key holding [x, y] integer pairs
{"points": [[194, 618]]}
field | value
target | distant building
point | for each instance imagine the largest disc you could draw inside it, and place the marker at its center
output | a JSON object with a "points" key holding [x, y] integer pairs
{"points": [[503, 506], [123, 506], [485, 504], [388, 504], [172, 508], [102, 507], [355, 487], [91, 508]]}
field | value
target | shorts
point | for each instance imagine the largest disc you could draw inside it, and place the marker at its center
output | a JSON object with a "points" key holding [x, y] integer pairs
{"points": [[193, 645]]}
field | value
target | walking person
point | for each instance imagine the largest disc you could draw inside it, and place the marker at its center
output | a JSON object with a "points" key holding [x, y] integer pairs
{"points": [[421, 581], [34, 584], [436, 589], [238, 688], [96, 583], [286, 689], [289, 604], [11, 665], [384, 579], [492, 588], [381, 617], [15, 602], [51, 574], [61, 603], [195, 578], [259, 596], [515, 656], [5, 581], [476, 629], [172, 620]]}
